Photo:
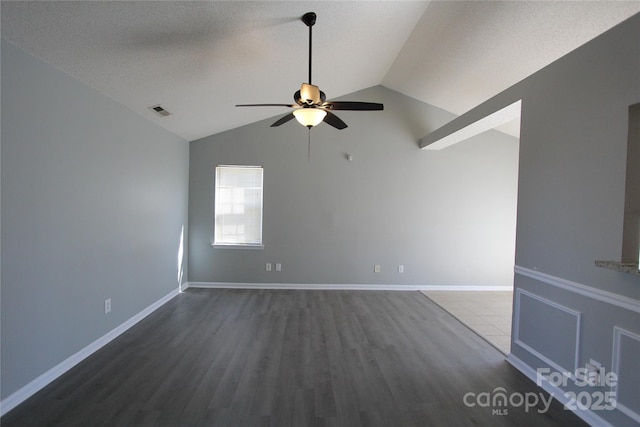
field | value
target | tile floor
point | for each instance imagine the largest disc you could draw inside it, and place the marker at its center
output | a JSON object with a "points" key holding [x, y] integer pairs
{"points": [[488, 313]]}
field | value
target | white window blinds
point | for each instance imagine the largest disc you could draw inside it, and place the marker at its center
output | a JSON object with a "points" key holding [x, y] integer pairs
{"points": [[238, 206]]}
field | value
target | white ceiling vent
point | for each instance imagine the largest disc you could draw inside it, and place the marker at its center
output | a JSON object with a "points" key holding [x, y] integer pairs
{"points": [[158, 109]]}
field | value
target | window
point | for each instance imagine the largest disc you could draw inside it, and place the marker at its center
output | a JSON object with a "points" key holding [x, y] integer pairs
{"points": [[238, 206]]}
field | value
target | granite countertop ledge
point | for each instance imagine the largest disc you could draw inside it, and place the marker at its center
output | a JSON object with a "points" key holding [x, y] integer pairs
{"points": [[619, 266]]}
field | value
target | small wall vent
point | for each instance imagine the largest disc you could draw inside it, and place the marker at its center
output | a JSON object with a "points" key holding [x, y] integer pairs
{"points": [[159, 110]]}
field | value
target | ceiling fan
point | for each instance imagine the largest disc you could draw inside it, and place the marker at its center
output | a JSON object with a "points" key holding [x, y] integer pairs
{"points": [[311, 107]]}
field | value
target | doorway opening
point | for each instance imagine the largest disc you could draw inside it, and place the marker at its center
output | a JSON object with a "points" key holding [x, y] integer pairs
{"points": [[487, 310]]}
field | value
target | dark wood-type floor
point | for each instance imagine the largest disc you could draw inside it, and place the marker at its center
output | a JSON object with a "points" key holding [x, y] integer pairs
{"points": [[277, 358]]}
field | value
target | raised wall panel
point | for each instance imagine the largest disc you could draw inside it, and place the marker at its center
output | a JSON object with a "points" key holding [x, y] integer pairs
{"points": [[626, 366], [548, 330]]}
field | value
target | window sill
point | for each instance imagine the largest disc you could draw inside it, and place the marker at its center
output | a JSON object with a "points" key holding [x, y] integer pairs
{"points": [[619, 266], [244, 247]]}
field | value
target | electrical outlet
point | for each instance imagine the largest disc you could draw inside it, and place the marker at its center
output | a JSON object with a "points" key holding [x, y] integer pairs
{"points": [[107, 305], [595, 373], [278, 267], [401, 268], [376, 268], [268, 266]]}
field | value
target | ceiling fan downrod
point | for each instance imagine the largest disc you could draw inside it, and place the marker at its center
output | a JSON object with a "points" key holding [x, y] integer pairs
{"points": [[309, 19]]}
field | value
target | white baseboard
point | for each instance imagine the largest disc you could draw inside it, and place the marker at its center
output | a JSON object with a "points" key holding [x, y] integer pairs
{"points": [[558, 394], [344, 287], [49, 376]]}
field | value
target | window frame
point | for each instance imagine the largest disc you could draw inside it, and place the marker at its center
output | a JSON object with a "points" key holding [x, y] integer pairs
{"points": [[237, 245]]}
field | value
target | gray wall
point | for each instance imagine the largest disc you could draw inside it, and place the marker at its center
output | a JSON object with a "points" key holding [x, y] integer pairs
{"points": [[448, 216], [573, 146], [93, 202]]}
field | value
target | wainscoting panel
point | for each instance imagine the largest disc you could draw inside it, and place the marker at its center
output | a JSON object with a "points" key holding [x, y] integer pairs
{"points": [[626, 365], [548, 330], [554, 316]]}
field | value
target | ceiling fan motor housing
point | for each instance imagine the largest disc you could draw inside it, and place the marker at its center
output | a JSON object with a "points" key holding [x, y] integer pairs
{"points": [[309, 94]]}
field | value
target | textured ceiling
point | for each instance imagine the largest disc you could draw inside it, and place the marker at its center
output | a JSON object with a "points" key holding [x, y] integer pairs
{"points": [[199, 59], [463, 52]]}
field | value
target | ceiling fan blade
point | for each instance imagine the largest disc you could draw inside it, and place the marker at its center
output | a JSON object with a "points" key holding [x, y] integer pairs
{"points": [[265, 105], [283, 120], [333, 120], [354, 106]]}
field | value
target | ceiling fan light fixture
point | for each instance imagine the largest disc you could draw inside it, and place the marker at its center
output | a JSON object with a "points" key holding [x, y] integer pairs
{"points": [[309, 117]]}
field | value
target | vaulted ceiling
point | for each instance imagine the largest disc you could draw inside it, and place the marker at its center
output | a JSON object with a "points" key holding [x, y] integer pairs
{"points": [[198, 59]]}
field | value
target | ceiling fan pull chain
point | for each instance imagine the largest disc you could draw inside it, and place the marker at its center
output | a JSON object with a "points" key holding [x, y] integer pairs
{"points": [[309, 147]]}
